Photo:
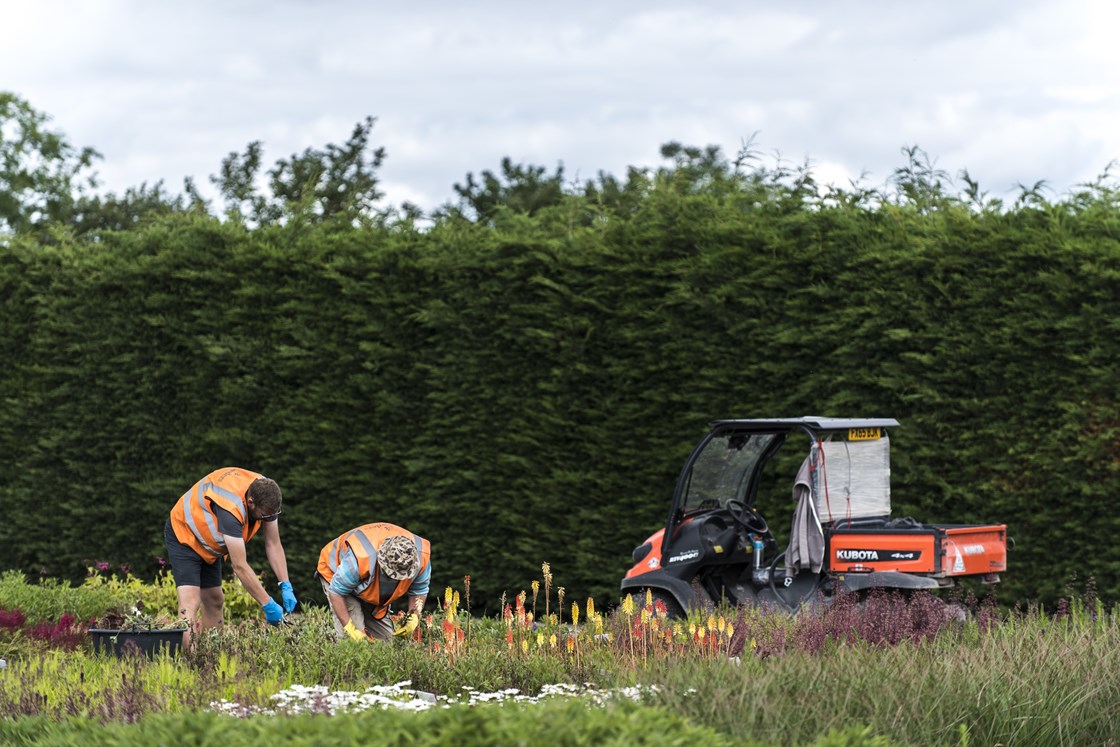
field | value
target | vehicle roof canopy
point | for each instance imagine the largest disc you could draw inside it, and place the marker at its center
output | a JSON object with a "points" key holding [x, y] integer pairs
{"points": [[808, 421]]}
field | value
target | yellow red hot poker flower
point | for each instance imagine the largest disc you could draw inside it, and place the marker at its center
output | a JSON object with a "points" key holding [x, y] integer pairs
{"points": [[628, 605]]}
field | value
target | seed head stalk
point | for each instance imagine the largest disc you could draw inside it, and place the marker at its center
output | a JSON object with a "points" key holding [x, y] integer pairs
{"points": [[467, 600], [546, 571], [628, 610]]}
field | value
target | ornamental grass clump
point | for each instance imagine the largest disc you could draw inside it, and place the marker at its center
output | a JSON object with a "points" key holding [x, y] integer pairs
{"points": [[11, 621], [882, 618], [59, 684]]}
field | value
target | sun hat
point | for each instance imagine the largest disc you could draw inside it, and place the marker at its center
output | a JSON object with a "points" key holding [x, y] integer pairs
{"points": [[397, 557]]}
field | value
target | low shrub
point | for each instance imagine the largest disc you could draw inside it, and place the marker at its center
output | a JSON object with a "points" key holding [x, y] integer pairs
{"points": [[559, 723], [50, 599], [106, 592]]}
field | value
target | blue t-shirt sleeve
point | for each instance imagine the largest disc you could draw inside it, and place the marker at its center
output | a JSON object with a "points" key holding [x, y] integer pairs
{"points": [[346, 577], [419, 587]]}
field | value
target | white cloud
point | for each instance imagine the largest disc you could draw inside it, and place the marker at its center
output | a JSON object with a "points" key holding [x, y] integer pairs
{"points": [[1012, 91]]}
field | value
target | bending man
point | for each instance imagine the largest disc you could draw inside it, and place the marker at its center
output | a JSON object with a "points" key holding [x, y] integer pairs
{"points": [[215, 518], [368, 568]]}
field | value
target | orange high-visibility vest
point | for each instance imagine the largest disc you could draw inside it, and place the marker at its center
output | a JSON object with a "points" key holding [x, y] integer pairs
{"points": [[194, 521], [364, 542]]}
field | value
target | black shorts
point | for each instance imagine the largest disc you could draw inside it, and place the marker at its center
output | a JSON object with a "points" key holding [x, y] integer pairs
{"points": [[187, 566]]}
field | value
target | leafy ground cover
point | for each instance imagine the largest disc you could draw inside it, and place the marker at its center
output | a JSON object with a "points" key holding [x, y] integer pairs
{"points": [[877, 671]]}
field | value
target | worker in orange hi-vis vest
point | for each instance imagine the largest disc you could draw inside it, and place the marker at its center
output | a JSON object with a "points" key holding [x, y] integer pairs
{"points": [[367, 569], [215, 518]]}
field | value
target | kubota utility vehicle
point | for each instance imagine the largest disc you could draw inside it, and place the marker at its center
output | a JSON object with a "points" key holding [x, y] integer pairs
{"points": [[716, 547]]}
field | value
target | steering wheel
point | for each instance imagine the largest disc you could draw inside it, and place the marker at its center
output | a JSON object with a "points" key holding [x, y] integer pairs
{"points": [[747, 517]]}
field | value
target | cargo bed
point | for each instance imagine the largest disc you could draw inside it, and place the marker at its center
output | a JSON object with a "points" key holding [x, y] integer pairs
{"points": [[935, 550]]}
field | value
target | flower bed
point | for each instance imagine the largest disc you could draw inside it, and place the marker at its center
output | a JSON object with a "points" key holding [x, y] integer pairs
{"points": [[731, 669]]}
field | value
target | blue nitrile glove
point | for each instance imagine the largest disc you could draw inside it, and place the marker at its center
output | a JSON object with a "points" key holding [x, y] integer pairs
{"points": [[272, 612], [287, 596]]}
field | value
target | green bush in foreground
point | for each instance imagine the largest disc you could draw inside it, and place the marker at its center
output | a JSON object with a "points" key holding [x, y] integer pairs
{"points": [[558, 724]]}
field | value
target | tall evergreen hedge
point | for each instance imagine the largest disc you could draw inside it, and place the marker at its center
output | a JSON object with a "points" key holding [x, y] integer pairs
{"points": [[526, 392]]}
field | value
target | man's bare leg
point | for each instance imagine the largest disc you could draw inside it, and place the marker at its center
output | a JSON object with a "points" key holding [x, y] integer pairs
{"points": [[212, 601], [189, 600]]}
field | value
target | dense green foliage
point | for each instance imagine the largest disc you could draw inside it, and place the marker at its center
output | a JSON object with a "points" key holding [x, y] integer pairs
{"points": [[571, 723], [519, 377], [527, 390]]}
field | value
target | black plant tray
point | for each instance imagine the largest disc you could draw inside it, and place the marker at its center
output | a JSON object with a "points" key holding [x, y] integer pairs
{"points": [[146, 642]]}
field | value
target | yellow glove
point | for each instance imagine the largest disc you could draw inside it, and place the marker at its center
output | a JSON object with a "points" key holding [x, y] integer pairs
{"points": [[353, 632], [408, 625]]}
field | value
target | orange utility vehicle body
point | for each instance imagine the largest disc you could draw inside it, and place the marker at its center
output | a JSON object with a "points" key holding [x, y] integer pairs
{"points": [[716, 546], [938, 551]]}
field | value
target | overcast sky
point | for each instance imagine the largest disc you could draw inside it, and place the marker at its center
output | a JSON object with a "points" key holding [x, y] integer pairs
{"points": [[1016, 92]]}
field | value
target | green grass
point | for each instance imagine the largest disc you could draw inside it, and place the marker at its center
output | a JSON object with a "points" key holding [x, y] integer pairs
{"points": [[1037, 684]]}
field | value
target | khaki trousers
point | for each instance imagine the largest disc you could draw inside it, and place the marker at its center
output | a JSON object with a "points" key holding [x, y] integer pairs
{"points": [[362, 615]]}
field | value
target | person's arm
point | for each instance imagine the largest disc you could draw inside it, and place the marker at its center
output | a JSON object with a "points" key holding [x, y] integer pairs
{"points": [[338, 606], [235, 546], [418, 591], [274, 550], [417, 595], [416, 604], [345, 580]]}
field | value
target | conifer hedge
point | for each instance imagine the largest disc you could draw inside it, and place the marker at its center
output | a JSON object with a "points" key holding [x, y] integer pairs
{"points": [[526, 391]]}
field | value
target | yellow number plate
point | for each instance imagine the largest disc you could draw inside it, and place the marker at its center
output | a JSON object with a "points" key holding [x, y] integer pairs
{"points": [[864, 434]]}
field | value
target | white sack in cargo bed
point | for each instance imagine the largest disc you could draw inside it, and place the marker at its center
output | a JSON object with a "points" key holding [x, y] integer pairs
{"points": [[859, 480]]}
